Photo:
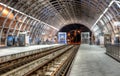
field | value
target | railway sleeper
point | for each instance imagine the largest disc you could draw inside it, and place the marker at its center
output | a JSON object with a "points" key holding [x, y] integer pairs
{"points": [[20, 62], [46, 59], [50, 69]]}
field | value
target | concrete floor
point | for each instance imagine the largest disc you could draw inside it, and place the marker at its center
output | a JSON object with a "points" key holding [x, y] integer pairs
{"points": [[92, 61]]}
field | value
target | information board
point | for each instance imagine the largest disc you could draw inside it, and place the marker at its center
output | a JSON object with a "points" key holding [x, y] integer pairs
{"points": [[62, 37]]}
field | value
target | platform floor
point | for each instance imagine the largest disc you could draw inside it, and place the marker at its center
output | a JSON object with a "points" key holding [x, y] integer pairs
{"points": [[91, 60], [13, 50]]}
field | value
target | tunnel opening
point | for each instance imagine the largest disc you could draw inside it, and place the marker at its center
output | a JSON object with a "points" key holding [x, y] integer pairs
{"points": [[74, 32]]}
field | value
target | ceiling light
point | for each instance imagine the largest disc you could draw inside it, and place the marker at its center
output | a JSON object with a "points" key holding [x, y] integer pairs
{"points": [[117, 23]]}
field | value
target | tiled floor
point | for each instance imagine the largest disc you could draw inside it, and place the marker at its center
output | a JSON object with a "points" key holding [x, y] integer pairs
{"points": [[92, 61], [13, 50]]}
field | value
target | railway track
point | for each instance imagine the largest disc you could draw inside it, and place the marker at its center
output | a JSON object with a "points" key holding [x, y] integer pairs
{"points": [[52, 62], [18, 62], [56, 66]]}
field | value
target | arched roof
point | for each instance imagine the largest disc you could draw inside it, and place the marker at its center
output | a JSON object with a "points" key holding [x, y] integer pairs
{"points": [[98, 15], [60, 12]]}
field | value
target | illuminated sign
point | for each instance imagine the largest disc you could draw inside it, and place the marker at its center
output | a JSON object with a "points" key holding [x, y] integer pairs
{"points": [[62, 37]]}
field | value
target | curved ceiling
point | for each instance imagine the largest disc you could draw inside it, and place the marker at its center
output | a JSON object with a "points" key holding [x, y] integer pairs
{"points": [[97, 15], [44, 18], [61, 12], [72, 27]]}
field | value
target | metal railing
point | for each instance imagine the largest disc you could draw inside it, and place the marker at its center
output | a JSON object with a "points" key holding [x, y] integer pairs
{"points": [[113, 50]]}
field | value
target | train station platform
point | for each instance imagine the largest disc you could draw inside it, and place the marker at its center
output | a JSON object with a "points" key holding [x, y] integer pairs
{"points": [[15, 50], [91, 60]]}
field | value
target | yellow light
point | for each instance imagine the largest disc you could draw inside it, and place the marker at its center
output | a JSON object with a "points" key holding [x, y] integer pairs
{"points": [[6, 12], [68, 34], [78, 31]]}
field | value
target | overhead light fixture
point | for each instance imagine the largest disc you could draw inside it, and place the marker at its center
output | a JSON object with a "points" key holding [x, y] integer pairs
{"points": [[43, 33], [117, 23], [117, 35]]}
